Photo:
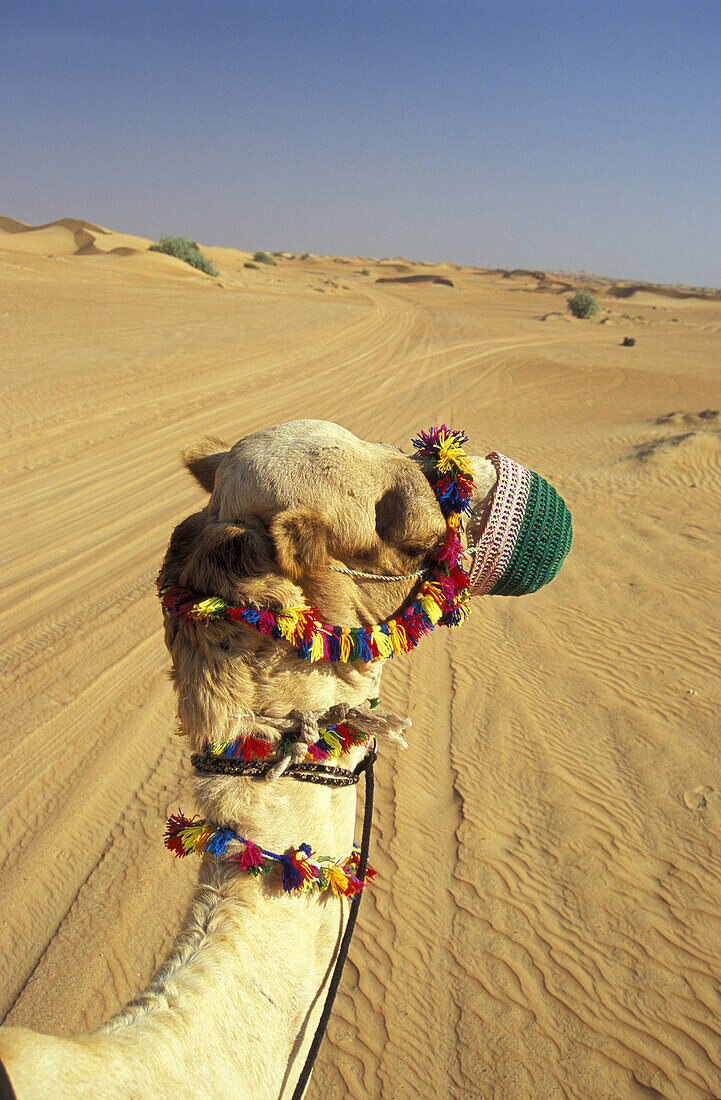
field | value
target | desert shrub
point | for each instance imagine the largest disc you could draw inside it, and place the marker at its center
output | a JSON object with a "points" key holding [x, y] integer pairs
{"points": [[187, 251], [629, 341], [264, 258], [249, 264], [583, 304], [365, 271], [305, 256]]}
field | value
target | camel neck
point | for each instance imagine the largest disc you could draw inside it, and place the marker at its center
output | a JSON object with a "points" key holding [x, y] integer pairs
{"points": [[248, 953], [237, 1002]]}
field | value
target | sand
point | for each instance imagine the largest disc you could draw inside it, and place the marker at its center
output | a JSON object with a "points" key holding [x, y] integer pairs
{"points": [[546, 918]]}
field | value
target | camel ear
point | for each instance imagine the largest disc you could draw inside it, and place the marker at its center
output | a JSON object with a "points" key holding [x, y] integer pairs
{"points": [[208, 556], [237, 552], [301, 541], [203, 457]]}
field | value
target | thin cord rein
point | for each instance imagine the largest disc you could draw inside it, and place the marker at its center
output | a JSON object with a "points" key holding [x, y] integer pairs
{"points": [[366, 766]]}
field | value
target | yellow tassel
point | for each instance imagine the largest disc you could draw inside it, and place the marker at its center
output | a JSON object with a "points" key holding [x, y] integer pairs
{"points": [[449, 455], [316, 648], [286, 624], [394, 639], [431, 608], [333, 742], [289, 622], [337, 879], [463, 463], [194, 837], [344, 646], [446, 447], [402, 638], [217, 748], [205, 608], [385, 646], [434, 591]]}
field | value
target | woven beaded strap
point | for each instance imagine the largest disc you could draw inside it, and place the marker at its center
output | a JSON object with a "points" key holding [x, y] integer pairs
{"points": [[526, 537]]}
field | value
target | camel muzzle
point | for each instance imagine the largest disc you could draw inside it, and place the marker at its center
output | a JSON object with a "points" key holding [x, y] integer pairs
{"points": [[526, 537]]}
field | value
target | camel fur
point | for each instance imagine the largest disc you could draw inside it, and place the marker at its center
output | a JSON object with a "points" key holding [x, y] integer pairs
{"points": [[232, 1011]]}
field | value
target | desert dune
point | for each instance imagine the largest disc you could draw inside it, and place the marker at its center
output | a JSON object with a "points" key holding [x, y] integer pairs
{"points": [[545, 922]]}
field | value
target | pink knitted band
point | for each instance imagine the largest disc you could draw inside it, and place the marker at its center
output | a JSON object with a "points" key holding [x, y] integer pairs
{"points": [[501, 531]]}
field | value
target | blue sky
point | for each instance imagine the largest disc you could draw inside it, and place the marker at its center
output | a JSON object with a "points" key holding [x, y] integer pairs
{"points": [[511, 134]]}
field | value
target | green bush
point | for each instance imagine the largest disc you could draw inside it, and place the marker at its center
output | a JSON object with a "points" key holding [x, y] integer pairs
{"points": [[583, 304], [305, 256], [365, 271], [264, 258], [187, 251], [249, 264], [629, 341]]}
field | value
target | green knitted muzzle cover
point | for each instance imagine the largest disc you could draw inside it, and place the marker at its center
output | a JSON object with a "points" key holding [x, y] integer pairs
{"points": [[526, 537]]}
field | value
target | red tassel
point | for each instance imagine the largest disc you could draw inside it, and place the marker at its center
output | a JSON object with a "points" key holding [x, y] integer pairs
{"points": [[353, 864], [175, 824], [353, 885], [307, 870], [256, 746]]}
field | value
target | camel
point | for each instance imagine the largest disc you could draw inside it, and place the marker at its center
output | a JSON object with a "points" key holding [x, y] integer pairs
{"points": [[300, 514]]}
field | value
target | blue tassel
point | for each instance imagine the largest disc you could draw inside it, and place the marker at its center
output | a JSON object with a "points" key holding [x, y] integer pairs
{"points": [[292, 878], [218, 844]]}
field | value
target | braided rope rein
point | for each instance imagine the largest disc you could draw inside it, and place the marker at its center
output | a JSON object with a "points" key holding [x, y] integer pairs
{"points": [[380, 576], [324, 774]]}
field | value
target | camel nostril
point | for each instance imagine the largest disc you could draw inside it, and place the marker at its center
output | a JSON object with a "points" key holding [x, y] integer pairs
{"points": [[389, 510]]}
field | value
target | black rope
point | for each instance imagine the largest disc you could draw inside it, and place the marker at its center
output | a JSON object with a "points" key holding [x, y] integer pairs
{"points": [[309, 772], [366, 765]]}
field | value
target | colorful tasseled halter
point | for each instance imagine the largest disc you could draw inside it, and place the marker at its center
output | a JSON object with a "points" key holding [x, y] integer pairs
{"points": [[441, 600], [335, 739], [302, 871]]}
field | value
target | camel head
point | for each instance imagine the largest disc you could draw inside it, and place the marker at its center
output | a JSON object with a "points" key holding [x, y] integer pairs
{"points": [[289, 506], [288, 502], [306, 516]]}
